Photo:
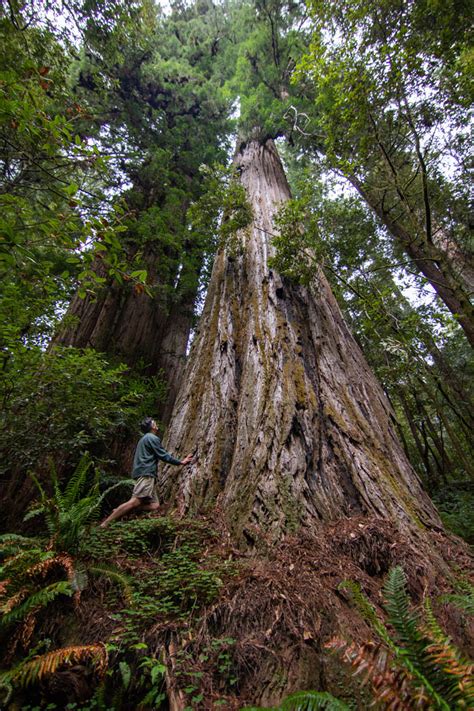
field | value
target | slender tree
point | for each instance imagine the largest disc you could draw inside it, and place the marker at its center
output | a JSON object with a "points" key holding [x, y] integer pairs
{"points": [[390, 89]]}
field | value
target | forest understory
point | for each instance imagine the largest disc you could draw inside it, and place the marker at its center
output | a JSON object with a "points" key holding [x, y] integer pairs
{"points": [[166, 610]]}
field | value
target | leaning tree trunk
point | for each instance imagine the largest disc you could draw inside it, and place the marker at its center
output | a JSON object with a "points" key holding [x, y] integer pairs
{"points": [[288, 423], [447, 268]]}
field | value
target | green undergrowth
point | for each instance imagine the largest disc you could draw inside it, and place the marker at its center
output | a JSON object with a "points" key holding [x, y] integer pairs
{"points": [[142, 577]]}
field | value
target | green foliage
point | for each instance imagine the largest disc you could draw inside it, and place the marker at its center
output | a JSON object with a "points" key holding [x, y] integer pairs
{"points": [[267, 40], [64, 401], [174, 589], [124, 581], [306, 701], [48, 202], [31, 671], [134, 538], [35, 601], [430, 668], [463, 599], [68, 512], [153, 676], [219, 214], [299, 243], [456, 507]]}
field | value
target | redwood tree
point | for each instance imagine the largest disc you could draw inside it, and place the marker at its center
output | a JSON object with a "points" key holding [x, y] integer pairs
{"points": [[296, 457], [159, 120], [289, 424]]}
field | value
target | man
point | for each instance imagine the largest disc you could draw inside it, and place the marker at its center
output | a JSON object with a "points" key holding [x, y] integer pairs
{"points": [[147, 454]]}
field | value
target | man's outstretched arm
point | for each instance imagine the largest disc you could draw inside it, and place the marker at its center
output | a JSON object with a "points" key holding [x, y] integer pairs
{"points": [[165, 456]]}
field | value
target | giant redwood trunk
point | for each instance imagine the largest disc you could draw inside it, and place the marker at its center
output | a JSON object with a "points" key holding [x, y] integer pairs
{"points": [[289, 425], [299, 468]]}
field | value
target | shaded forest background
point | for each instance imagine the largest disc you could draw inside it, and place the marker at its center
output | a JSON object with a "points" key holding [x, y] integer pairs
{"points": [[119, 123]]}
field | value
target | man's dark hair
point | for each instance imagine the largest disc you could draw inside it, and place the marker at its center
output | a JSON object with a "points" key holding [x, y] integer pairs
{"points": [[146, 424]]}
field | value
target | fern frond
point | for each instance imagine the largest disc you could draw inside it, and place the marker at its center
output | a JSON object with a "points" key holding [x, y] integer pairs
{"points": [[455, 674], [458, 675], [390, 686], [16, 566], [11, 544], [16, 539], [123, 482], [39, 486], [366, 609], [412, 654], [463, 600], [46, 664], [312, 701], [117, 576], [53, 475], [397, 605], [5, 684], [44, 567], [34, 602], [431, 624], [306, 701], [34, 512], [77, 482], [13, 601]]}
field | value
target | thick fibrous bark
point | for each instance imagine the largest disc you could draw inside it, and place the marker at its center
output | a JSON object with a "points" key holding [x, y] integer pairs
{"points": [[288, 422], [135, 328]]}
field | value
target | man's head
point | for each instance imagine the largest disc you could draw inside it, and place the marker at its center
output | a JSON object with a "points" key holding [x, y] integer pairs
{"points": [[148, 425]]}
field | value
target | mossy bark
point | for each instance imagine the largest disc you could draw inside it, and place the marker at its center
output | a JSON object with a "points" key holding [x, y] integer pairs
{"points": [[289, 425]]}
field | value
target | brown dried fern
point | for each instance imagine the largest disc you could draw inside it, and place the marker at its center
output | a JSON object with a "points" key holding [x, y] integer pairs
{"points": [[47, 664], [444, 656], [44, 567], [390, 686]]}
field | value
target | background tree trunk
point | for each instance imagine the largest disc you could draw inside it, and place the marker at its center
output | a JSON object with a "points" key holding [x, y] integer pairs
{"points": [[445, 265], [288, 423], [151, 332]]}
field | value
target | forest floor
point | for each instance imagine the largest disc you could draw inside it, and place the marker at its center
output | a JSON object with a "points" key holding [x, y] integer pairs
{"points": [[188, 620]]}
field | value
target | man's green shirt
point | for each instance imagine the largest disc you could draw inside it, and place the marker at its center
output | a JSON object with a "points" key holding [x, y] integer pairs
{"points": [[147, 454]]}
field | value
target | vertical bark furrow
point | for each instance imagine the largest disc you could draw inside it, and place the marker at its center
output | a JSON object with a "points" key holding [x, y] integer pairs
{"points": [[289, 423]]}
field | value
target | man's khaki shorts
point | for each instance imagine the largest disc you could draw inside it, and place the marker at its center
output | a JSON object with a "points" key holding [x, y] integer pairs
{"points": [[145, 490]]}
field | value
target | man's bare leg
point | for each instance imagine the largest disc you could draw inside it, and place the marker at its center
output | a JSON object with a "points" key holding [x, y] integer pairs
{"points": [[150, 507], [121, 510]]}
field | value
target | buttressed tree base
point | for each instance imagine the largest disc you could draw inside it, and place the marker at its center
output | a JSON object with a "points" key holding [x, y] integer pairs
{"points": [[298, 459]]}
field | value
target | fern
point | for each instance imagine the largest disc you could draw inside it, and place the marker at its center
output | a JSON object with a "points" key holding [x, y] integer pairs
{"points": [[15, 540], [423, 667], [405, 622], [117, 576], [35, 602], [414, 654], [77, 481], [390, 686], [366, 609], [34, 670], [459, 679], [306, 701], [463, 600], [16, 566], [67, 513]]}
